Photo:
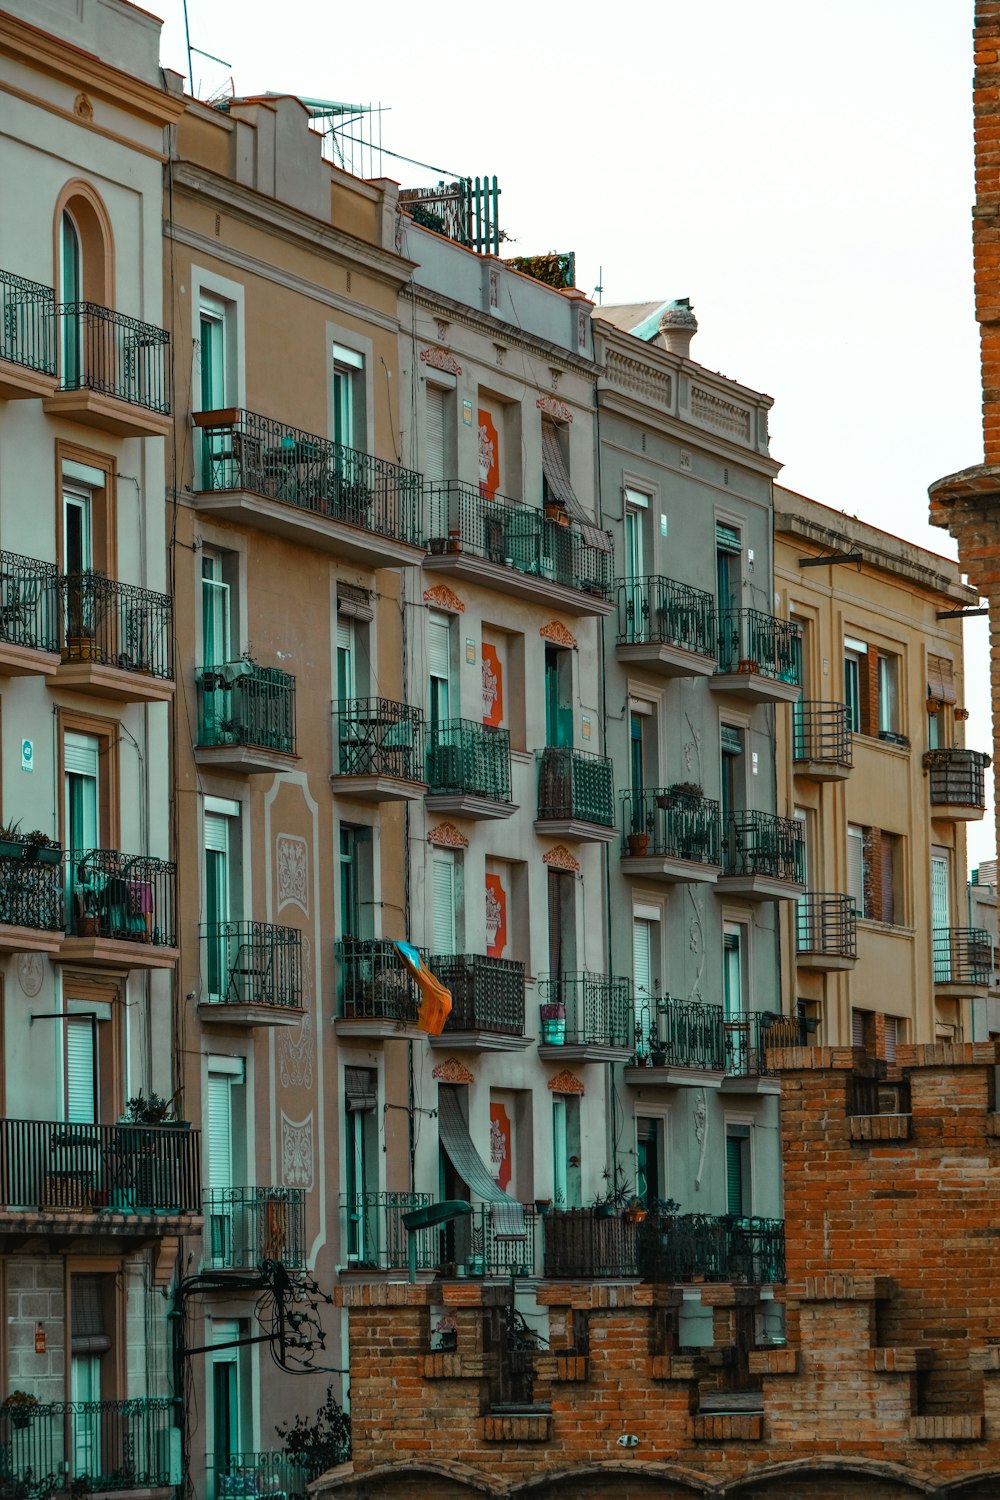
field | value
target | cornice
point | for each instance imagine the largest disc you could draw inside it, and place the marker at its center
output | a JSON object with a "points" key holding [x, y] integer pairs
{"points": [[496, 330], [856, 535], [692, 434], [674, 364]]}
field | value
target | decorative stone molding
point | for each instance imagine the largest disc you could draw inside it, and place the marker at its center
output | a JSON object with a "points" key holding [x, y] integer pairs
{"points": [[440, 359], [447, 836], [82, 107], [292, 858], [638, 378], [442, 597], [555, 409], [566, 1083], [557, 633], [452, 1071], [560, 858], [724, 416]]}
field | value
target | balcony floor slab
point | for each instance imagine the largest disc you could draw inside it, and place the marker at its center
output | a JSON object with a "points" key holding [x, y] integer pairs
{"points": [[754, 1083], [480, 1041], [669, 870], [222, 1013], [51, 1230], [821, 770], [953, 990], [26, 661], [110, 953], [665, 659], [17, 383], [758, 887], [825, 963], [576, 830], [468, 805], [244, 760], [378, 788], [673, 1076], [376, 1029], [957, 812], [29, 940], [534, 586], [107, 413], [755, 687], [584, 1052], [111, 682], [307, 528]]}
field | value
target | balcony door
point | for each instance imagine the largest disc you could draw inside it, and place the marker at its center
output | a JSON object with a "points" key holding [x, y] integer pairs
{"points": [[443, 900], [361, 1137], [650, 1159], [222, 889], [738, 1184], [230, 1389], [82, 1071], [803, 935], [81, 790], [558, 696], [348, 397], [71, 295], [225, 1111], [642, 973], [941, 915], [637, 607]]}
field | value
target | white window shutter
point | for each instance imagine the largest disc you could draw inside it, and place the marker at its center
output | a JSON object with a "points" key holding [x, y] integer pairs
{"points": [[439, 646], [220, 1131], [642, 959], [443, 898], [856, 867], [434, 455], [81, 1105]]}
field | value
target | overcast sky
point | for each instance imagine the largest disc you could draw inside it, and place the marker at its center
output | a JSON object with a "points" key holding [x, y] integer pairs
{"points": [[803, 173]]}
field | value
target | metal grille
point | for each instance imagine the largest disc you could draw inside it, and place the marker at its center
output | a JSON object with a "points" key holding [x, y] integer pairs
{"points": [[826, 924], [962, 955], [683, 1034], [575, 784], [658, 610], [956, 777], [373, 984], [83, 1446], [598, 1009], [377, 737], [123, 1168], [680, 1247], [31, 892], [750, 640], [241, 703], [822, 732], [272, 1474], [252, 963], [126, 897], [116, 624], [760, 843], [676, 824], [27, 324], [487, 994], [29, 602], [106, 351], [463, 756], [248, 1225]]}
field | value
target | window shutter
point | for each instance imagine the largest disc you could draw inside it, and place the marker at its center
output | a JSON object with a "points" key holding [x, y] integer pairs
{"points": [[891, 1037], [443, 900], [555, 470], [857, 1028], [727, 538], [81, 1105], [730, 740], [939, 892], [220, 1131], [434, 447], [941, 679], [439, 646], [888, 895], [734, 1176], [642, 964], [80, 754], [216, 833], [856, 868]]}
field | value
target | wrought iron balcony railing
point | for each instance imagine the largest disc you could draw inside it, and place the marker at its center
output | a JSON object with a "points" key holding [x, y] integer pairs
{"points": [[376, 1237], [598, 1008], [957, 777], [271, 1476], [251, 963], [377, 737], [29, 602], [129, 898], [682, 1034], [826, 924], [519, 536], [962, 955], [242, 450], [31, 888], [85, 1447], [487, 994], [751, 641], [123, 1169], [822, 732], [241, 703], [103, 350], [575, 784], [670, 822], [466, 757], [760, 843], [658, 610], [372, 984], [112, 624], [585, 1244], [27, 323], [749, 1035], [247, 1225]]}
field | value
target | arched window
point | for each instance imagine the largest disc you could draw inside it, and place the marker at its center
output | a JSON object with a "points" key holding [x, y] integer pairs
{"points": [[71, 296], [84, 260]]}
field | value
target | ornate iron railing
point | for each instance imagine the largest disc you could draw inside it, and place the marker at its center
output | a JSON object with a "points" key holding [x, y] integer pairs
{"points": [[269, 1476], [487, 994], [251, 963], [962, 955], [670, 823], [575, 784], [121, 1169], [377, 737], [822, 732], [31, 888], [373, 985], [241, 703], [463, 756], [586, 1244], [750, 1034], [827, 924], [247, 1225], [598, 1008], [116, 624], [29, 602], [518, 536], [376, 1237], [680, 1247], [751, 641], [682, 1034], [761, 843], [957, 777], [106, 351], [658, 610], [129, 898], [81, 1447], [27, 323], [242, 450]]}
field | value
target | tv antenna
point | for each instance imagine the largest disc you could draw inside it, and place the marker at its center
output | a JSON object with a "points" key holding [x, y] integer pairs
{"points": [[210, 55]]}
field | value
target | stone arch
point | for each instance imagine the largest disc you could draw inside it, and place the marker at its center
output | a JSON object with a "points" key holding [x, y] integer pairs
{"points": [[445, 1480], [830, 1479], [660, 1481], [979, 1486], [92, 221]]}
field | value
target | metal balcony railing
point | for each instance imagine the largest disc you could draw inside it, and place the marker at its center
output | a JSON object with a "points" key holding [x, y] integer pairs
{"points": [[466, 757], [671, 823], [242, 450], [372, 984], [598, 1008], [679, 1247], [957, 777], [822, 732], [271, 1476], [102, 350], [575, 784], [658, 610], [31, 888], [749, 1035], [29, 602], [583, 1244], [751, 641], [962, 955], [112, 624], [377, 737], [682, 1034], [251, 963], [241, 703], [27, 323], [518, 536], [376, 1237], [760, 843], [826, 924], [487, 994], [125, 1169], [245, 1226], [130, 898], [84, 1447]]}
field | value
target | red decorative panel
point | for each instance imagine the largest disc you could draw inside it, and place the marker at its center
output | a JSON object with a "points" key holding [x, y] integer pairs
{"points": [[496, 917], [492, 686]]}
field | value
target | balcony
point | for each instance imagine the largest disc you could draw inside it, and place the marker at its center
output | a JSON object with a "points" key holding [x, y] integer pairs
{"points": [[376, 1238], [309, 490], [487, 1002], [114, 372], [115, 640], [87, 1448], [576, 798], [251, 974], [514, 548], [748, 1037], [376, 997], [822, 742], [666, 627], [963, 961], [27, 338], [29, 616], [582, 1244], [31, 897], [468, 770], [245, 1226], [131, 1182], [272, 1474], [119, 910], [246, 718], [671, 834], [763, 857], [595, 1024], [956, 779], [826, 932], [682, 1042], [758, 657], [377, 752]]}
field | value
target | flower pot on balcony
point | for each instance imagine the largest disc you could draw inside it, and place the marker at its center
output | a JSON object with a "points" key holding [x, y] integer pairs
{"points": [[747, 665], [638, 844], [88, 926], [553, 1019], [454, 541], [438, 545], [542, 1205]]}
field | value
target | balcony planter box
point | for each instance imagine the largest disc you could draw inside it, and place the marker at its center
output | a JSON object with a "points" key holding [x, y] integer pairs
{"points": [[11, 849], [638, 844], [553, 1019], [747, 665], [439, 545]]}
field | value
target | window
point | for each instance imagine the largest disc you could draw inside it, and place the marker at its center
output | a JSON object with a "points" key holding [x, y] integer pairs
{"points": [[225, 1148], [941, 914], [856, 867], [733, 954], [739, 1198], [217, 624], [439, 668], [875, 873], [82, 790], [82, 1081], [223, 887], [941, 691], [562, 924], [888, 695], [356, 907], [92, 1368], [558, 695], [229, 1387], [650, 1159], [732, 745], [855, 676], [71, 289], [557, 490], [348, 398], [728, 568], [443, 893], [566, 1173], [361, 1137]]}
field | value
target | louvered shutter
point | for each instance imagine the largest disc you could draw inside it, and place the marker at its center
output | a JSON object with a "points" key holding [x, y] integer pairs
{"points": [[220, 1130], [81, 1104], [345, 658], [857, 1028], [435, 435], [856, 867], [439, 645], [80, 754], [727, 538], [888, 913], [939, 892], [891, 1037], [443, 899], [734, 1176], [642, 958]]}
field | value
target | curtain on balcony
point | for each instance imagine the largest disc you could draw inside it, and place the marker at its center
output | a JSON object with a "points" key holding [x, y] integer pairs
{"points": [[508, 1215]]}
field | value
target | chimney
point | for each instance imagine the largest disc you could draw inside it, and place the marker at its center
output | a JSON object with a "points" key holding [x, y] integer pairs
{"points": [[678, 327]]}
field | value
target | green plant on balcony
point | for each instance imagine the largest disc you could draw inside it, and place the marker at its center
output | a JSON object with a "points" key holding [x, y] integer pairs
{"points": [[150, 1110], [20, 1406], [680, 794], [11, 840], [322, 1443], [616, 1195], [39, 848]]}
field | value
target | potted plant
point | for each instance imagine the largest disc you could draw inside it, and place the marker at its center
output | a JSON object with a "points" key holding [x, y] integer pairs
{"points": [[553, 1019], [38, 847], [635, 1210], [20, 1407], [152, 1109], [638, 842], [542, 1205], [611, 1202], [11, 840]]}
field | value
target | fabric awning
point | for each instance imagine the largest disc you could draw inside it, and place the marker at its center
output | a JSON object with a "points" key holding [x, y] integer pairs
{"points": [[595, 537], [360, 1090], [941, 679], [508, 1214], [555, 470]]}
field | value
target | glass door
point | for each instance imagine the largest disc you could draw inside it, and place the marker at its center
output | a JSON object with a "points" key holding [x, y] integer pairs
{"points": [[218, 901]]}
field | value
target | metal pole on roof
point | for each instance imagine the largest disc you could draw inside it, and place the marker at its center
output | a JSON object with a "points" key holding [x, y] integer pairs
{"points": [[187, 39]]}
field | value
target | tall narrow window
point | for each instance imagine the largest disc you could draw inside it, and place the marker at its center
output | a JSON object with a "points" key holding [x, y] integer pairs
{"points": [[728, 567], [566, 1176], [436, 435], [91, 1344], [81, 1071], [361, 1134], [637, 602], [216, 611], [888, 694], [733, 784], [941, 915], [855, 671], [562, 925], [356, 911], [225, 1121], [642, 972], [738, 1187], [346, 686], [650, 1180], [81, 774], [228, 1393], [558, 696], [856, 867], [214, 354], [439, 668], [732, 971], [348, 399], [222, 889], [443, 899], [71, 290]]}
